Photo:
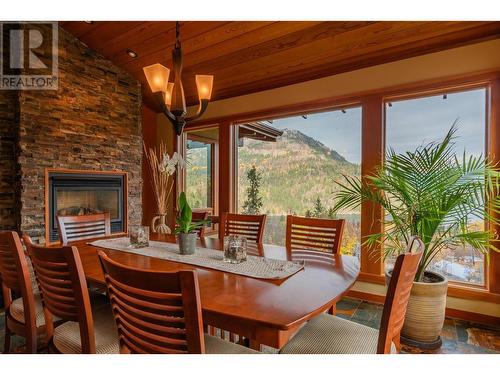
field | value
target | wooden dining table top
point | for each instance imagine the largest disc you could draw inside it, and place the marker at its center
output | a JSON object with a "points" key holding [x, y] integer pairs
{"points": [[244, 304]]}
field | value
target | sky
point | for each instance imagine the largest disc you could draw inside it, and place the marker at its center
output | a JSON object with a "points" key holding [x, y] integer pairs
{"points": [[409, 124]]}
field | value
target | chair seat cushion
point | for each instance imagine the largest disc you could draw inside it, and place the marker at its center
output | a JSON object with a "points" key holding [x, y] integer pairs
{"points": [[215, 345], [17, 308], [17, 311], [67, 336], [328, 334]]}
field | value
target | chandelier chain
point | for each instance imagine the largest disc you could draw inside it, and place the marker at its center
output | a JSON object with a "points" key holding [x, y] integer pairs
{"points": [[177, 35]]}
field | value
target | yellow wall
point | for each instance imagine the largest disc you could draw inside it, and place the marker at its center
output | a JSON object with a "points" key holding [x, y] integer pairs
{"points": [[478, 57]]}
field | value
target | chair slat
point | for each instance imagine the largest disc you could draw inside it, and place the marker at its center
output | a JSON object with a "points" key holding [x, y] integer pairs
{"points": [[249, 226], [321, 235], [80, 227]]}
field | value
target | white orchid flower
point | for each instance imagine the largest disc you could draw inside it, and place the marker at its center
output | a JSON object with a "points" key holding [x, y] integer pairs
{"points": [[179, 160], [169, 164]]}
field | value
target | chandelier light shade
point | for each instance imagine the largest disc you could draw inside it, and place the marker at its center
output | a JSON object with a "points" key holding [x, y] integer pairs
{"points": [[204, 84], [170, 95], [157, 76]]}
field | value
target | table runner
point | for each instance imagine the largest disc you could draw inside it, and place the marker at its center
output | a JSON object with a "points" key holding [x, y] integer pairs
{"points": [[255, 266]]}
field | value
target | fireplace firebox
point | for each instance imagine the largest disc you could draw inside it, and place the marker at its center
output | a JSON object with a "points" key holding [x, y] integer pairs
{"points": [[86, 193]]}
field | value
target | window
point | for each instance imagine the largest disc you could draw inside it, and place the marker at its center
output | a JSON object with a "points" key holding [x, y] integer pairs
{"points": [[200, 180], [291, 164], [414, 122]]}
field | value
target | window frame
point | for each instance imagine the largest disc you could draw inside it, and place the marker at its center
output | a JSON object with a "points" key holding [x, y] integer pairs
{"points": [[486, 151], [235, 125], [214, 157]]}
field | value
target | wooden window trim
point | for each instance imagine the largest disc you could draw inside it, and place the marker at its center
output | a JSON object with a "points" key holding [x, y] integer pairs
{"points": [[436, 91], [462, 82], [214, 160]]}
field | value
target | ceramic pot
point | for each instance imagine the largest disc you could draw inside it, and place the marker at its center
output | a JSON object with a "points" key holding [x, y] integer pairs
{"points": [[159, 224], [187, 243], [425, 312]]}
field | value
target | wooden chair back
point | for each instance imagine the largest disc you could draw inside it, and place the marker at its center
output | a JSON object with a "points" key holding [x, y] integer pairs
{"points": [[398, 294], [80, 227], [15, 277], [63, 288], [155, 312], [197, 217], [249, 226], [306, 237]]}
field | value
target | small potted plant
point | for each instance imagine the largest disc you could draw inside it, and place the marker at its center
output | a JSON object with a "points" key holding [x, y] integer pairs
{"points": [[438, 196], [185, 230]]}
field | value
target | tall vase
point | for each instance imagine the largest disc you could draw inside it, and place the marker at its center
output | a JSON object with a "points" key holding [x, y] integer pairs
{"points": [[159, 224]]}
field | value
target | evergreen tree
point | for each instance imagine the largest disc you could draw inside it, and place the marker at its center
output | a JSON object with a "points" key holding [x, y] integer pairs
{"points": [[331, 213], [253, 203], [318, 209]]}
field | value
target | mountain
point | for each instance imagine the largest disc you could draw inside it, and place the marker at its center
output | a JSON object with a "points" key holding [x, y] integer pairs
{"points": [[295, 170], [299, 137]]}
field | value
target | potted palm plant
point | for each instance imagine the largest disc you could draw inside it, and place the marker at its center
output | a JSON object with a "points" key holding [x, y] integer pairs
{"points": [[435, 195], [186, 228]]}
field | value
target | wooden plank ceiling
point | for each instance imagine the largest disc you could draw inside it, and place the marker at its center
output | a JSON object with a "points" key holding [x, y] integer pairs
{"points": [[248, 56]]}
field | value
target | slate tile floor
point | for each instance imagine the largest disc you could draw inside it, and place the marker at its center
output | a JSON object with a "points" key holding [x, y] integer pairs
{"points": [[459, 337]]}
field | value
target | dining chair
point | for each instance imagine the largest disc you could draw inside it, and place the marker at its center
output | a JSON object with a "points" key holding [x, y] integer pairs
{"points": [[80, 227], [327, 334], [249, 226], [197, 217], [160, 312], [312, 238], [23, 316], [89, 327]]}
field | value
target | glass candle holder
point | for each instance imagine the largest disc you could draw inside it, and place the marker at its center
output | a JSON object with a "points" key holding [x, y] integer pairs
{"points": [[139, 236], [235, 249]]}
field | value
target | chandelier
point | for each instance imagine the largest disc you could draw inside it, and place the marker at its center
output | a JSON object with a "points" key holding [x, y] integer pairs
{"points": [[170, 95]]}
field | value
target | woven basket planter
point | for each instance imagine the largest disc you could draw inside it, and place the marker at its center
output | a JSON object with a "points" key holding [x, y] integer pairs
{"points": [[425, 313]]}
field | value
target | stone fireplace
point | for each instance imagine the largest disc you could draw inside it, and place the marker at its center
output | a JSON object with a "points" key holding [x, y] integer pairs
{"points": [[92, 123]]}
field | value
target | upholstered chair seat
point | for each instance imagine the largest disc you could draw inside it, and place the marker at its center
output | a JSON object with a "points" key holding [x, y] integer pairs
{"points": [[17, 310], [328, 334], [67, 339], [215, 345]]}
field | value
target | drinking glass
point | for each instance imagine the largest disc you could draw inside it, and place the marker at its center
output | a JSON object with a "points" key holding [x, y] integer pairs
{"points": [[235, 249], [139, 236]]}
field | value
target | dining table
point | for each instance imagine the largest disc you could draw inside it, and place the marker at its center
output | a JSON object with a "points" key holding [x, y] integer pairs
{"points": [[265, 311]]}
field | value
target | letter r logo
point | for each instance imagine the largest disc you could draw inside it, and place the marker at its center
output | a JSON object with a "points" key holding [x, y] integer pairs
{"points": [[17, 50]]}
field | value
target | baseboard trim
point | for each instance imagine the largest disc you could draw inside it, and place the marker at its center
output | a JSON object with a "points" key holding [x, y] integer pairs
{"points": [[450, 313], [376, 298], [473, 317]]}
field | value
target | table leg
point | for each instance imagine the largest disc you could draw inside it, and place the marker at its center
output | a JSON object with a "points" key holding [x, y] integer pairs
{"points": [[254, 345]]}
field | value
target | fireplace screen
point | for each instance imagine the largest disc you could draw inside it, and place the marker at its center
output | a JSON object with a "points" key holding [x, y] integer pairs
{"points": [[72, 194], [86, 202]]}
